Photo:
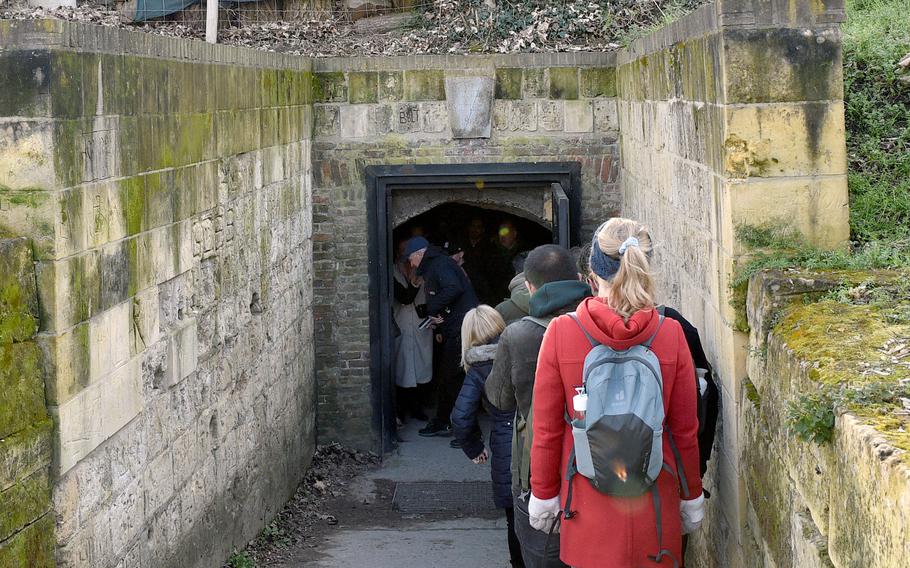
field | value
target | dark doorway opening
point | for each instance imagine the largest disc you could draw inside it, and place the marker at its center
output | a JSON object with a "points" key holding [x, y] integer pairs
{"points": [[499, 188]]}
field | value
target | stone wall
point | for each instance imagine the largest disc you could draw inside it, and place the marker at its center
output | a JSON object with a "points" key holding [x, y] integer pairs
{"points": [[400, 110], [165, 186], [820, 505], [26, 522], [732, 115]]}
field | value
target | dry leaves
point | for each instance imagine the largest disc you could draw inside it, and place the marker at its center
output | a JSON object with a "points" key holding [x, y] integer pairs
{"points": [[441, 26]]}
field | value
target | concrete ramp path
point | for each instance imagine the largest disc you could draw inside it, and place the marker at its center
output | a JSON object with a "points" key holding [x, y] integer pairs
{"points": [[428, 505]]}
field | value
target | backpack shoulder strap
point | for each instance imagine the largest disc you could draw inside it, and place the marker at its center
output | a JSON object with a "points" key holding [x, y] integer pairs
{"points": [[593, 341], [650, 340], [662, 310]]}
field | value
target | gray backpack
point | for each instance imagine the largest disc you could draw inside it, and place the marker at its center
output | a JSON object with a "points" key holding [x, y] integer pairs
{"points": [[619, 444]]}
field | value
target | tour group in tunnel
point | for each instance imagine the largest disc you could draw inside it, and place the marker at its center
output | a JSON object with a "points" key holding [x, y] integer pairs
{"points": [[469, 364]]}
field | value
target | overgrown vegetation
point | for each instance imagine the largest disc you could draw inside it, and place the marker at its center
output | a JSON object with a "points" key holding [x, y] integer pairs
{"points": [[812, 416], [775, 245], [877, 98]]}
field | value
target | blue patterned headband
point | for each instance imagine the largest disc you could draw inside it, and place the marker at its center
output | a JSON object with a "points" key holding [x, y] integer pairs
{"points": [[605, 265]]}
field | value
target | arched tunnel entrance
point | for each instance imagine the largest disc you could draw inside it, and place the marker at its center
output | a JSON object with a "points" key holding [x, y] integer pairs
{"points": [[538, 202]]}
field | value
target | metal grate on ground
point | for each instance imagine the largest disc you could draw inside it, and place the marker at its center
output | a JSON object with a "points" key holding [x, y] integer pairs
{"points": [[463, 497]]}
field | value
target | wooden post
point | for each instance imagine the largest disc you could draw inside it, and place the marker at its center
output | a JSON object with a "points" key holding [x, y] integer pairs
{"points": [[211, 21]]}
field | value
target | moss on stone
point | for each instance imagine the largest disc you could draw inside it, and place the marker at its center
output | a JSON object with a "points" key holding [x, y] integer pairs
{"points": [[22, 385], [424, 85], [563, 83], [18, 293], [330, 87], [132, 199], [25, 74], [508, 83], [32, 547], [363, 87], [598, 82], [843, 341], [535, 84], [391, 86], [751, 392]]}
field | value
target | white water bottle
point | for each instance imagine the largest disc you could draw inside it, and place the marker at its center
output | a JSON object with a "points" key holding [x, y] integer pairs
{"points": [[702, 381], [580, 404]]}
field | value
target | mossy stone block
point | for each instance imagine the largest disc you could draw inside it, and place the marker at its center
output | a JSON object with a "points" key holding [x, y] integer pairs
{"points": [[330, 87], [18, 292], [508, 83], [26, 75], [391, 86], [363, 87], [22, 385], [26, 451], [598, 82], [24, 502], [424, 85], [32, 547], [535, 84], [563, 83], [786, 65]]}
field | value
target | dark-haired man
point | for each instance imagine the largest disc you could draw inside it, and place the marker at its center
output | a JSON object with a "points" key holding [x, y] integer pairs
{"points": [[553, 281]]}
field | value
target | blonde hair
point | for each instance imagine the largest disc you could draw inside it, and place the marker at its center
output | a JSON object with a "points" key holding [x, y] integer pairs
{"points": [[481, 325], [632, 288]]}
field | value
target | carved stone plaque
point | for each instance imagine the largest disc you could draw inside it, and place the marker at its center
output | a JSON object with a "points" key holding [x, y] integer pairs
{"points": [[470, 103]]}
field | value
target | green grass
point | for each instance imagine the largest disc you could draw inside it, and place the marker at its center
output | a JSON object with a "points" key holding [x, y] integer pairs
{"points": [[778, 246], [877, 100]]}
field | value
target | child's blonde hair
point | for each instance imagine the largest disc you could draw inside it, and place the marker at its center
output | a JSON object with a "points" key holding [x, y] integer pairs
{"points": [[632, 288], [481, 325]]}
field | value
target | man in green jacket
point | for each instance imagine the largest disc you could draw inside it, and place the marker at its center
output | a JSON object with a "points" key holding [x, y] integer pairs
{"points": [[555, 287]]}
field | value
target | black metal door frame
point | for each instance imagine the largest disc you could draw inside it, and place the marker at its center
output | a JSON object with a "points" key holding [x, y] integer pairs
{"points": [[380, 182]]}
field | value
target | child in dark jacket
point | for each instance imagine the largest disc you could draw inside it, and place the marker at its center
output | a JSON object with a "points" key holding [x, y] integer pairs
{"points": [[479, 334]]}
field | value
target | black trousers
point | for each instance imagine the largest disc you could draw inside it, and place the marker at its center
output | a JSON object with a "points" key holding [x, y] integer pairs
{"points": [[451, 376], [515, 556], [538, 549]]}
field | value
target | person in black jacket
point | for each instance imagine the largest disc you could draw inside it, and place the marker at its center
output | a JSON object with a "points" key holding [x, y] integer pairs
{"points": [[449, 296], [479, 336]]}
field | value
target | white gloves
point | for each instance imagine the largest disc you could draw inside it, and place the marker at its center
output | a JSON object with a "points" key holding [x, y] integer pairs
{"points": [[692, 513], [543, 513]]}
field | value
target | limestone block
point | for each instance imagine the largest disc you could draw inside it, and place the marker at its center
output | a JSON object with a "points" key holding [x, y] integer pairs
{"points": [[606, 116], [407, 118], [785, 140], [19, 298], [424, 85], [109, 341], [783, 65], [469, 101], [365, 121], [514, 116], [330, 88], [25, 452], [144, 326], [391, 86], [508, 83], [182, 352], [33, 546], [363, 87], [127, 515], [69, 290], [818, 207], [21, 382], [33, 213], [24, 503], [535, 83], [27, 155], [563, 82], [327, 119], [98, 412], [579, 116], [598, 82], [550, 115], [435, 117]]}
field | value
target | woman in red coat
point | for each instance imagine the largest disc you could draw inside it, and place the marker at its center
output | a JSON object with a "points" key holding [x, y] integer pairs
{"points": [[605, 531]]}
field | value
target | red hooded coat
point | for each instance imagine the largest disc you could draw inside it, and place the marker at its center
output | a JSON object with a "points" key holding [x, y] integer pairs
{"points": [[607, 531]]}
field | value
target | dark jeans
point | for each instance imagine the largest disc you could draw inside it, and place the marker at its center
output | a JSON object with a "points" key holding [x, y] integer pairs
{"points": [[514, 546], [538, 549], [451, 376]]}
